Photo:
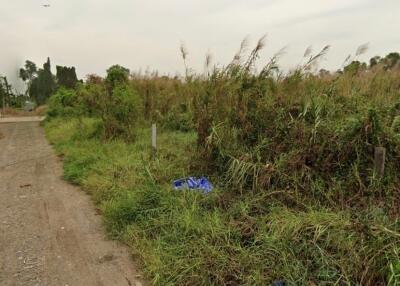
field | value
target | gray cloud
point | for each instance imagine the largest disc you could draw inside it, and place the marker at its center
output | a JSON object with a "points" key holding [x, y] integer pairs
{"points": [[94, 34]]}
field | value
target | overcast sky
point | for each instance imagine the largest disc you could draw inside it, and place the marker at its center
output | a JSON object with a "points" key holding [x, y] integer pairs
{"points": [[139, 34]]}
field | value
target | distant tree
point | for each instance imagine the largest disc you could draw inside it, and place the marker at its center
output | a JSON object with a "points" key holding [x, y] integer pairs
{"points": [[28, 73], [391, 60], [354, 67], [388, 62], [374, 61], [323, 72], [44, 85], [66, 77], [116, 74]]}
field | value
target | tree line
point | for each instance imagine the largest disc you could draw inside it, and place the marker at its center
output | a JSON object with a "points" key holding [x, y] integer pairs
{"points": [[41, 83], [388, 62]]}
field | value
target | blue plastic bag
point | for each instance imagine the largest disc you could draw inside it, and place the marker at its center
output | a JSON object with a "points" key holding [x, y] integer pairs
{"points": [[192, 183]]}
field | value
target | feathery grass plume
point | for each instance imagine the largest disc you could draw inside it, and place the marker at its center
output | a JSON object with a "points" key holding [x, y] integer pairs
{"points": [[207, 62], [272, 65], [184, 51], [308, 51], [254, 55], [184, 54], [362, 49], [235, 65], [346, 60], [239, 54], [313, 61]]}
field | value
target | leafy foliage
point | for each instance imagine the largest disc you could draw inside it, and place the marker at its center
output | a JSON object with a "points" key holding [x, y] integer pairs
{"points": [[117, 75], [65, 102], [29, 72]]}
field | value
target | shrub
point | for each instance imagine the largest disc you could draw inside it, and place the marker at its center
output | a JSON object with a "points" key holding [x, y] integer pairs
{"points": [[121, 113], [65, 102], [179, 119], [116, 75]]}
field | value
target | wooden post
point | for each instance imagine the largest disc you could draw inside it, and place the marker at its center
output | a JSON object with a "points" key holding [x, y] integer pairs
{"points": [[379, 161], [153, 140]]}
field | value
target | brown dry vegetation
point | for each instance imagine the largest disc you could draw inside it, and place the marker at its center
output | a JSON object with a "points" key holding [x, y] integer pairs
{"points": [[18, 112]]}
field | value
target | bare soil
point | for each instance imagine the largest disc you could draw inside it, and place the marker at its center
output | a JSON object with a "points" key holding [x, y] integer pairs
{"points": [[50, 233], [21, 119]]}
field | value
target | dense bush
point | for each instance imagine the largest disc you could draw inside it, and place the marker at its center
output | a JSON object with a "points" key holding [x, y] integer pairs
{"points": [[121, 112], [179, 118], [266, 132], [65, 102]]}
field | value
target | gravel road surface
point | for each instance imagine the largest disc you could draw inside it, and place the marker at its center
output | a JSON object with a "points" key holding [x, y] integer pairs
{"points": [[50, 232]]}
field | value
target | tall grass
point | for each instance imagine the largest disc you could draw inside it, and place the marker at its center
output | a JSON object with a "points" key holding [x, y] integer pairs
{"points": [[290, 155]]}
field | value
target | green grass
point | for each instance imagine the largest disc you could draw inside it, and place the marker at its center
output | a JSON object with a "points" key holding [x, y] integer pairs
{"points": [[224, 238]]}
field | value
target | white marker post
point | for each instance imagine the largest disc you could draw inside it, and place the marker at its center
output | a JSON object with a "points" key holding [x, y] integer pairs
{"points": [[153, 140], [379, 161]]}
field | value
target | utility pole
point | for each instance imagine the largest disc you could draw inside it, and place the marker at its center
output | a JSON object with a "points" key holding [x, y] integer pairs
{"points": [[8, 92], [3, 97]]}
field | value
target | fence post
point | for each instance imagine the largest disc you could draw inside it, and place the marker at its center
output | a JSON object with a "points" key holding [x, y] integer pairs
{"points": [[379, 161], [153, 140]]}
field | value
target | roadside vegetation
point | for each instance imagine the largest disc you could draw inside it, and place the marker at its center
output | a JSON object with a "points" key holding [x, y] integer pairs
{"points": [[296, 197]]}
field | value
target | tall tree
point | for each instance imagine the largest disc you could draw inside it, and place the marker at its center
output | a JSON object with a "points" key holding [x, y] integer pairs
{"points": [[66, 77], [117, 74], [44, 85], [28, 73]]}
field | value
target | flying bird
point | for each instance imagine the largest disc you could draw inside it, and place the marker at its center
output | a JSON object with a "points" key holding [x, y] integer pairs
{"points": [[46, 5]]}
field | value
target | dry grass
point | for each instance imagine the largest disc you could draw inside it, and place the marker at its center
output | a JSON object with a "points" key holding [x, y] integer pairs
{"points": [[19, 112], [40, 110]]}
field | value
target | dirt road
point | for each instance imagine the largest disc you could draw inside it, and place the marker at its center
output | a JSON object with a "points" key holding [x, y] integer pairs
{"points": [[21, 119], [50, 233]]}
